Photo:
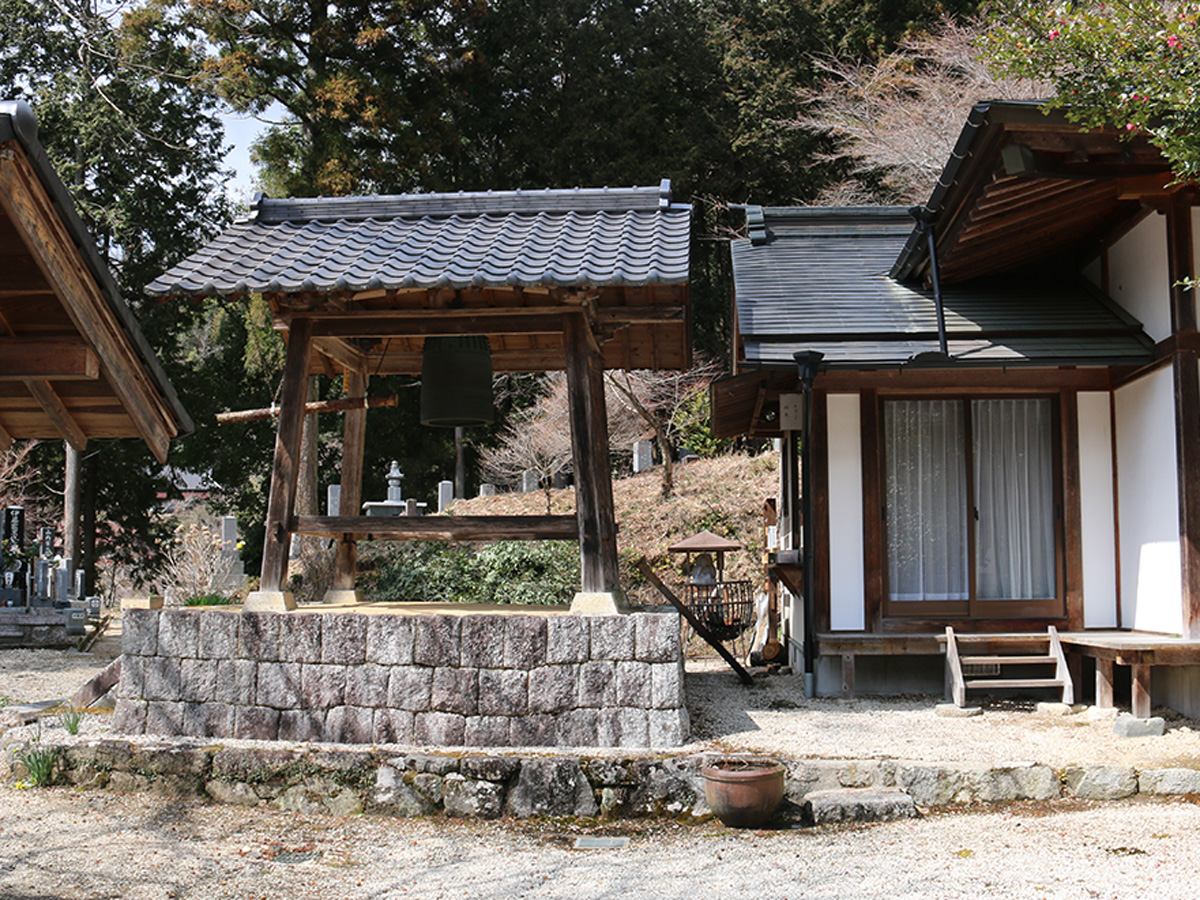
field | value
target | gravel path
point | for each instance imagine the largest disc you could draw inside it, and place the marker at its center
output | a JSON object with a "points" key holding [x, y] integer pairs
{"points": [[96, 846]]}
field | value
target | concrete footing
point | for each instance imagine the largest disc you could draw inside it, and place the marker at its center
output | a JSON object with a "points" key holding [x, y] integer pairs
{"points": [[269, 601], [599, 603]]}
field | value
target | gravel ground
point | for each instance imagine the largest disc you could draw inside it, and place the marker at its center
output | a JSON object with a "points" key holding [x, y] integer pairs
{"points": [[94, 846]]}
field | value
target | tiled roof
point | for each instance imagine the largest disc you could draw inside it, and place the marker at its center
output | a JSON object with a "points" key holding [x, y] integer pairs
{"points": [[581, 237], [813, 279]]}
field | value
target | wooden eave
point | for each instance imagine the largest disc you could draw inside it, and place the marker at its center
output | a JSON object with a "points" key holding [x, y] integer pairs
{"points": [[383, 332], [68, 368]]}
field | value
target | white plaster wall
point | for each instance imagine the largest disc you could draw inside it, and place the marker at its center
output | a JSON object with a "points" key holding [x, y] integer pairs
{"points": [[846, 577], [1098, 531], [1137, 275], [1148, 504]]}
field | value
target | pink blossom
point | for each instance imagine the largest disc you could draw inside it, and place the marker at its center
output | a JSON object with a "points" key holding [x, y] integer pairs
{"points": [[1130, 127], [1173, 41], [1053, 34]]}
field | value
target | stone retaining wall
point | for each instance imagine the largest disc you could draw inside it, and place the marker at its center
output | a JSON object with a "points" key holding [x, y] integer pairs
{"points": [[446, 681], [345, 781]]}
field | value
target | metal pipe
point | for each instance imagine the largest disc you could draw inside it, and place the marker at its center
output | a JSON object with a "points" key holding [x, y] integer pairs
{"points": [[937, 288]]}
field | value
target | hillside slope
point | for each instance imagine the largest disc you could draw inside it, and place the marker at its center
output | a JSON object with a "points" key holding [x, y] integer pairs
{"points": [[723, 495]]}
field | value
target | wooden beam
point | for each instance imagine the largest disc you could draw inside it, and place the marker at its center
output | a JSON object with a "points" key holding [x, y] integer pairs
{"points": [[440, 528], [54, 409], [6, 439], [999, 380], [1104, 683], [286, 467], [353, 404], [354, 437], [1072, 518], [589, 446], [341, 351], [1140, 700], [37, 223], [47, 360]]}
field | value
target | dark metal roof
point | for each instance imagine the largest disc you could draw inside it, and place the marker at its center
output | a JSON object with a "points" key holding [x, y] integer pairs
{"points": [[820, 281], [566, 238], [18, 123]]}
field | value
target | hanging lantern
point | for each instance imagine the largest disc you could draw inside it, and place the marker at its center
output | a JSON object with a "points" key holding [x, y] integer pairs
{"points": [[456, 381]]}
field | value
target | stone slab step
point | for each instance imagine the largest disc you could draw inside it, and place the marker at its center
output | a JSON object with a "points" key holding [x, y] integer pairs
{"points": [[859, 805]]}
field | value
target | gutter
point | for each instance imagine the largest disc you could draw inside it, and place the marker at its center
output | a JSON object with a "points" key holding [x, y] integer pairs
{"points": [[18, 122]]}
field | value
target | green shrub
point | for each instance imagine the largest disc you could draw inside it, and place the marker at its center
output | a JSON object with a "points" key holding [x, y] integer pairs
{"points": [[209, 600], [70, 719], [530, 572]]}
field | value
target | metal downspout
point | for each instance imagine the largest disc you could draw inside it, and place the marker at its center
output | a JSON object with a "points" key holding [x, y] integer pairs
{"points": [[925, 223]]}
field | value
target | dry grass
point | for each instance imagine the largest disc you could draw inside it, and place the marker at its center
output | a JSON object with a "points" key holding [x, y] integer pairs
{"points": [[723, 495]]}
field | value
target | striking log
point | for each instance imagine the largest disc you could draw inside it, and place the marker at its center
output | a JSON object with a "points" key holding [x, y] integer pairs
{"points": [[316, 406]]}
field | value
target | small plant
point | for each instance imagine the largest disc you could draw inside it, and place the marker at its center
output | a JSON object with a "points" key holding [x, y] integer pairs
{"points": [[209, 600], [70, 719], [38, 760], [5, 700]]}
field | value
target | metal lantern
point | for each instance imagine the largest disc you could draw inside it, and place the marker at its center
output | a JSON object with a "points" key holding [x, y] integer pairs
{"points": [[456, 381]]}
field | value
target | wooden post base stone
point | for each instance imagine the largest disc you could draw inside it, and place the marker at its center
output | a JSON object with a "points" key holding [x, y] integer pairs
{"points": [[342, 597], [599, 603], [269, 601]]}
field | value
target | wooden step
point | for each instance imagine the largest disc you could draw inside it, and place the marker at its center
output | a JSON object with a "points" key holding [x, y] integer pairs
{"points": [[1007, 660], [1005, 638], [1014, 683]]}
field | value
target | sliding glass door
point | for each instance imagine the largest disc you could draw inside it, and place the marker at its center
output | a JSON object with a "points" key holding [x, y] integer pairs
{"points": [[970, 500]]}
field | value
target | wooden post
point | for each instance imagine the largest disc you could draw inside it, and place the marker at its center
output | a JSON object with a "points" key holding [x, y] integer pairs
{"points": [[1104, 683], [1141, 691], [847, 676], [284, 473], [1185, 367], [354, 433], [601, 591]]}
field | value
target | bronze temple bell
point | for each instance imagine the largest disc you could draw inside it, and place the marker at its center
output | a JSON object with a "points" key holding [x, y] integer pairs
{"points": [[456, 381]]}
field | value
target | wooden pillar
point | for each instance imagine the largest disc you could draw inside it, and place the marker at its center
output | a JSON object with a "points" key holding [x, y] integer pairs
{"points": [[601, 589], [284, 473], [1104, 683], [354, 434], [1185, 367], [1141, 691]]}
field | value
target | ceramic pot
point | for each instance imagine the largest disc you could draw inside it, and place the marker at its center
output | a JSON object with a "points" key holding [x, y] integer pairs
{"points": [[743, 792]]}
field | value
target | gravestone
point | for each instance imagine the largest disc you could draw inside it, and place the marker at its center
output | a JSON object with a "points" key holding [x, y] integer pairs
{"points": [[445, 494], [643, 455], [530, 481]]}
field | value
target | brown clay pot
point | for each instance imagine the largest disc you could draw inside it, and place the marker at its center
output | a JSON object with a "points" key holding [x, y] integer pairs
{"points": [[744, 792]]}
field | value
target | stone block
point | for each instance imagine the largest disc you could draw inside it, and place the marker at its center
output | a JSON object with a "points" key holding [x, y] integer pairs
{"points": [[597, 684], [198, 680], [657, 637], [1002, 784], [1100, 782], [929, 784], [487, 731], [255, 764], [219, 719], [410, 688], [668, 786], [300, 637], [666, 685], [132, 684], [436, 641], [258, 636], [350, 725], [455, 691], [439, 729], [482, 642], [393, 726], [552, 689], [217, 636], [256, 723], [139, 632], [524, 641], [428, 763], [322, 687], [471, 799], [399, 797], [613, 637], [633, 684], [954, 711], [668, 727], [1169, 781], [1132, 727], [162, 678], [532, 731], [164, 717], [390, 640], [237, 680], [490, 768], [343, 639], [577, 728], [859, 805], [503, 692], [367, 685], [178, 631], [231, 793], [568, 639], [550, 787], [129, 716], [279, 685], [301, 724], [1053, 710], [195, 719], [635, 727]]}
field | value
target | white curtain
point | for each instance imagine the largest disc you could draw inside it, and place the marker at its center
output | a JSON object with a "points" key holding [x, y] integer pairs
{"points": [[926, 500], [1014, 496]]}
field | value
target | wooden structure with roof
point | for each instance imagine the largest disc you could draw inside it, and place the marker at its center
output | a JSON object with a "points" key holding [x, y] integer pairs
{"points": [[73, 362], [1027, 338], [575, 280]]}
